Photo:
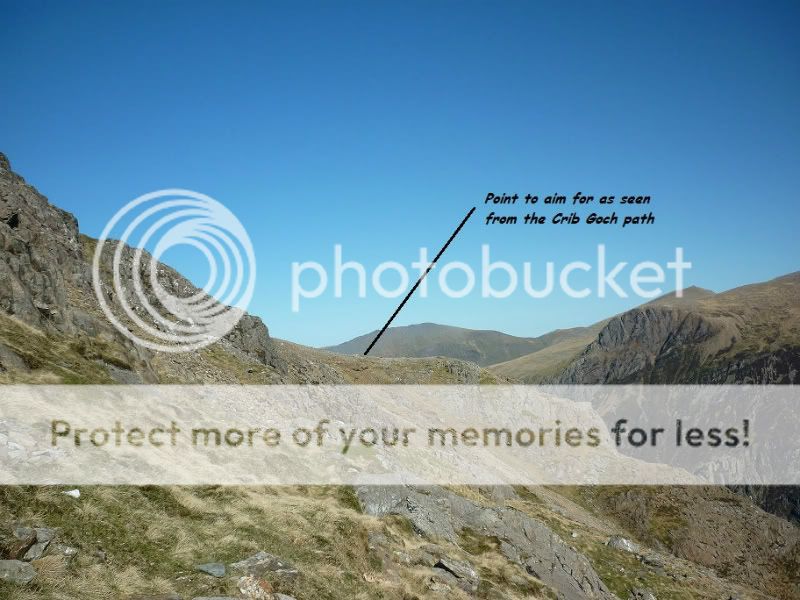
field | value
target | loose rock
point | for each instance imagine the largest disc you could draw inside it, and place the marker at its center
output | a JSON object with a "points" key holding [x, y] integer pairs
{"points": [[36, 551], [620, 543], [23, 538], [262, 564], [44, 534], [16, 571], [254, 588], [467, 577], [213, 569]]}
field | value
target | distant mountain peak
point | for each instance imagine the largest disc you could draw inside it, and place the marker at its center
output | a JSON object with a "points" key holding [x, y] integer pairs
{"points": [[688, 294]]}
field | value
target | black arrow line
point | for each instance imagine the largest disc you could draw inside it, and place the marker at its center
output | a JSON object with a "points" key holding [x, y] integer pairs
{"points": [[416, 285]]}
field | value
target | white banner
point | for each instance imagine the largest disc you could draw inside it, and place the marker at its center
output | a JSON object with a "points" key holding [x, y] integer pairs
{"points": [[531, 435]]}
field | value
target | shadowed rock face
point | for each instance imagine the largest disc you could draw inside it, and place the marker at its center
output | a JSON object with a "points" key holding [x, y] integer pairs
{"points": [[746, 336], [45, 267], [40, 254], [665, 345], [641, 345]]}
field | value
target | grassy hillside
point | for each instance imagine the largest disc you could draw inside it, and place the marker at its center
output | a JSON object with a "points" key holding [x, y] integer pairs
{"points": [[483, 347]]}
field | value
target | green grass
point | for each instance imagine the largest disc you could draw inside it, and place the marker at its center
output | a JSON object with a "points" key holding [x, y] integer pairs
{"points": [[50, 357], [156, 533]]}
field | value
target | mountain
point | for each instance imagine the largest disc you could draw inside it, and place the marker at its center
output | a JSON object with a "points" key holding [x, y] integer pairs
{"points": [[484, 347], [334, 542], [528, 359], [548, 362], [750, 334]]}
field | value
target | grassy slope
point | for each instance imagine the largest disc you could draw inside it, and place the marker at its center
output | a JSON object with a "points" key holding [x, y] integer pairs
{"points": [[429, 339]]}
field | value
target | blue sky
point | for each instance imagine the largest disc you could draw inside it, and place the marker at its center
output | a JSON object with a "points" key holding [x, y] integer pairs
{"points": [[378, 125]]}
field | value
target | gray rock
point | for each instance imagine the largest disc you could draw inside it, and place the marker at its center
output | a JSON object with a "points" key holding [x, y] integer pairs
{"points": [[641, 594], [654, 560], [36, 551], [213, 569], [262, 564], [17, 572], [427, 555], [43, 534], [25, 533], [631, 346], [467, 577], [437, 513], [283, 597], [42, 260], [498, 493], [620, 543], [67, 552]]}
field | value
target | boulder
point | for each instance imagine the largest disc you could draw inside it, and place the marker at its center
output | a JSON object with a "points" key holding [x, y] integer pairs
{"points": [[467, 577], [36, 551], [17, 572], [213, 569], [20, 541], [620, 543]]}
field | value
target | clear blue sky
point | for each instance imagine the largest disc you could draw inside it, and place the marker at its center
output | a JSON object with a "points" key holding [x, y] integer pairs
{"points": [[377, 125]]}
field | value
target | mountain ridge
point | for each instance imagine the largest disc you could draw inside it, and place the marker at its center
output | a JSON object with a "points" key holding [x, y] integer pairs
{"points": [[481, 346]]}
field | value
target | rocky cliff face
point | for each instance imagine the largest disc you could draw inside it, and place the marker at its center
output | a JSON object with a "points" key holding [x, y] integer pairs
{"points": [[41, 258], [46, 273], [748, 335]]}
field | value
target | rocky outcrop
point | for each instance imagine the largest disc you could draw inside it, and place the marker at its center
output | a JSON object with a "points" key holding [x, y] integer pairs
{"points": [[40, 255], [436, 513], [646, 345], [667, 345], [47, 283]]}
